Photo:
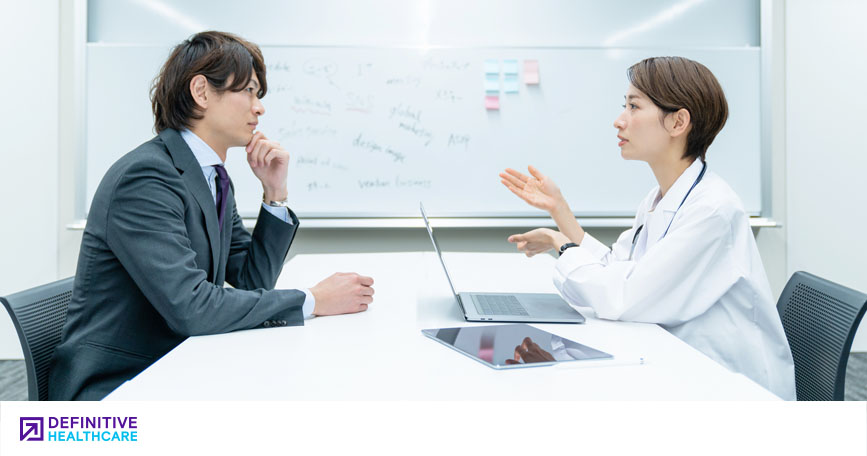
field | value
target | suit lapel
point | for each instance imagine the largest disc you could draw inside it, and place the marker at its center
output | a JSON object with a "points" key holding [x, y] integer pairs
{"points": [[191, 172]]}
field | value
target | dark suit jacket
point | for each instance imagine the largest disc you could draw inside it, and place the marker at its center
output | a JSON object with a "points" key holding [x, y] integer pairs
{"points": [[151, 271]]}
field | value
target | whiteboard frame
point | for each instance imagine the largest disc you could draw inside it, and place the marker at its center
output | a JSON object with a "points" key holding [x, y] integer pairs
{"points": [[764, 219]]}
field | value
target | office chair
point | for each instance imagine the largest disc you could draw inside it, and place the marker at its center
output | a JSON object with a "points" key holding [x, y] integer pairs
{"points": [[39, 315], [820, 318]]}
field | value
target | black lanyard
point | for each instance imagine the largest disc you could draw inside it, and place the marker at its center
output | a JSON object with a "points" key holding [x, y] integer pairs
{"points": [[638, 231]]}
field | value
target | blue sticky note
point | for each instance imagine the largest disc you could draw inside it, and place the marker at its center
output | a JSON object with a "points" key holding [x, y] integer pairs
{"points": [[492, 83], [492, 67], [510, 83], [510, 66]]}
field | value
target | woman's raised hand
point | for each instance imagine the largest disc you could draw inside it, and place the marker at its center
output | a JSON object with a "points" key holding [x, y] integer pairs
{"points": [[536, 189]]}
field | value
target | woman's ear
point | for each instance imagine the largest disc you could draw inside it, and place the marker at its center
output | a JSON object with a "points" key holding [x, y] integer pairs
{"points": [[678, 122], [199, 91]]}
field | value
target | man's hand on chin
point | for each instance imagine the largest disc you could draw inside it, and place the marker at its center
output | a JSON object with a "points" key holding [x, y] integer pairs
{"points": [[270, 164]]}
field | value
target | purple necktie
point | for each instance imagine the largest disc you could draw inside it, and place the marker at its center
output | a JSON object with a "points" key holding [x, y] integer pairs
{"points": [[222, 192]]}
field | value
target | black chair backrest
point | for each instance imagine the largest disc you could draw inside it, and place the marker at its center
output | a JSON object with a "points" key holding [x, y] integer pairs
{"points": [[39, 315], [820, 318]]}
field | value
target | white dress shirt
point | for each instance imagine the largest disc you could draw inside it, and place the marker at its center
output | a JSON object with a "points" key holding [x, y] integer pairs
{"points": [[207, 159], [703, 281]]}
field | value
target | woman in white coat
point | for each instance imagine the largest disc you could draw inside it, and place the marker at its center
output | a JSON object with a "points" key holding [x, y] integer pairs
{"points": [[690, 262]]}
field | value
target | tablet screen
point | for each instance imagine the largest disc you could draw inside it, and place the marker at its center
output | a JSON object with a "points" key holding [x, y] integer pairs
{"points": [[509, 346]]}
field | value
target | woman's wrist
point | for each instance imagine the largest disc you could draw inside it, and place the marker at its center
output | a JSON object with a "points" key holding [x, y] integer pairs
{"points": [[563, 216], [558, 239], [557, 214], [560, 207]]}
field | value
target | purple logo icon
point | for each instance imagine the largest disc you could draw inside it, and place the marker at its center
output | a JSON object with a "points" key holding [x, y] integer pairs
{"points": [[31, 428]]}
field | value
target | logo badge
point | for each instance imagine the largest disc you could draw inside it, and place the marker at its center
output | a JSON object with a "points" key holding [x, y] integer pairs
{"points": [[31, 428]]}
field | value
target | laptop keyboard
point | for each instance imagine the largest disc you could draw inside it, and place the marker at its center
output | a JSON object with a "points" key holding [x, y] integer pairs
{"points": [[499, 305]]}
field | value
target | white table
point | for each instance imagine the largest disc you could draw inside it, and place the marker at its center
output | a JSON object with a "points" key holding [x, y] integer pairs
{"points": [[381, 353]]}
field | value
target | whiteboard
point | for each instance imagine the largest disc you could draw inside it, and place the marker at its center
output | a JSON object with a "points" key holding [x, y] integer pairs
{"points": [[373, 130]]}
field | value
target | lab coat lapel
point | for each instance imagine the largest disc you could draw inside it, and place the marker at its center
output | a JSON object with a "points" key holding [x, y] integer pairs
{"points": [[666, 209], [656, 223]]}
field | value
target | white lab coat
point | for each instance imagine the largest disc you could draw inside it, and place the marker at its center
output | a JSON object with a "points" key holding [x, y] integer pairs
{"points": [[704, 281]]}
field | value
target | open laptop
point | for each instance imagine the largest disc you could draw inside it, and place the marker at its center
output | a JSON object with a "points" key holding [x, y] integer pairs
{"points": [[508, 307]]}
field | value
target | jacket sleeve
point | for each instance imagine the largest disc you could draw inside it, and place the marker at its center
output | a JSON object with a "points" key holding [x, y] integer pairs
{"points": [[678, 279], [256, 261], [145, 229]]}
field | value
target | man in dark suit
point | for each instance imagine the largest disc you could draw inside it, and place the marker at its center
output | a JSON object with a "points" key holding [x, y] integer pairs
{"points": [[163, 233]]}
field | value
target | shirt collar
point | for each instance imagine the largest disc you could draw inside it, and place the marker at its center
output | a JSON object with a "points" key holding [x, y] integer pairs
{"points": [[201, 150], [672, 199]]}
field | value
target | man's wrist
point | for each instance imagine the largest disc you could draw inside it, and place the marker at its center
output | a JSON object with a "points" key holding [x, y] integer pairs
{"points": [[316, 301], [275, 195]]}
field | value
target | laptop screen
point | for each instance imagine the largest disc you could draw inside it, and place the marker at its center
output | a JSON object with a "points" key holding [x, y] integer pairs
{"points": [[436, 247]]}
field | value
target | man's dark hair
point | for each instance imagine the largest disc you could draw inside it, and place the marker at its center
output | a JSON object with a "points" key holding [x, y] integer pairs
{"points": [[227, 61], [675, 83]]}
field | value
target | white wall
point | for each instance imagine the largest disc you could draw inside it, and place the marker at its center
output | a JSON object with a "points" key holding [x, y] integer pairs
{"points": [[29, 154], [826, 60]]}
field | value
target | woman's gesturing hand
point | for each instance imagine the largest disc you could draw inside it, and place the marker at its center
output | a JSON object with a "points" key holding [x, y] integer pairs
{"points": [[537, 241], [536, 189]]}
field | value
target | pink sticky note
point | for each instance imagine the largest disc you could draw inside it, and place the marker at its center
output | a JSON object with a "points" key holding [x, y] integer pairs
{"points": [[492, 102], [531, 71]]}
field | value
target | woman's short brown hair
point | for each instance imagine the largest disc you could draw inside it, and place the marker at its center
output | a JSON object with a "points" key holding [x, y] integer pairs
{"points": [[675, 83], [227, 61]]}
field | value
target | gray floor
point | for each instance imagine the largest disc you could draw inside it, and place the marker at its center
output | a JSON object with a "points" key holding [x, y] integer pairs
{"points": [[856, 377], [13, 379]]}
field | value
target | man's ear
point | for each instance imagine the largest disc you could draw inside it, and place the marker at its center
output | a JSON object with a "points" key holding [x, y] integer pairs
{"points": [[678, 123], [199, 91]]}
